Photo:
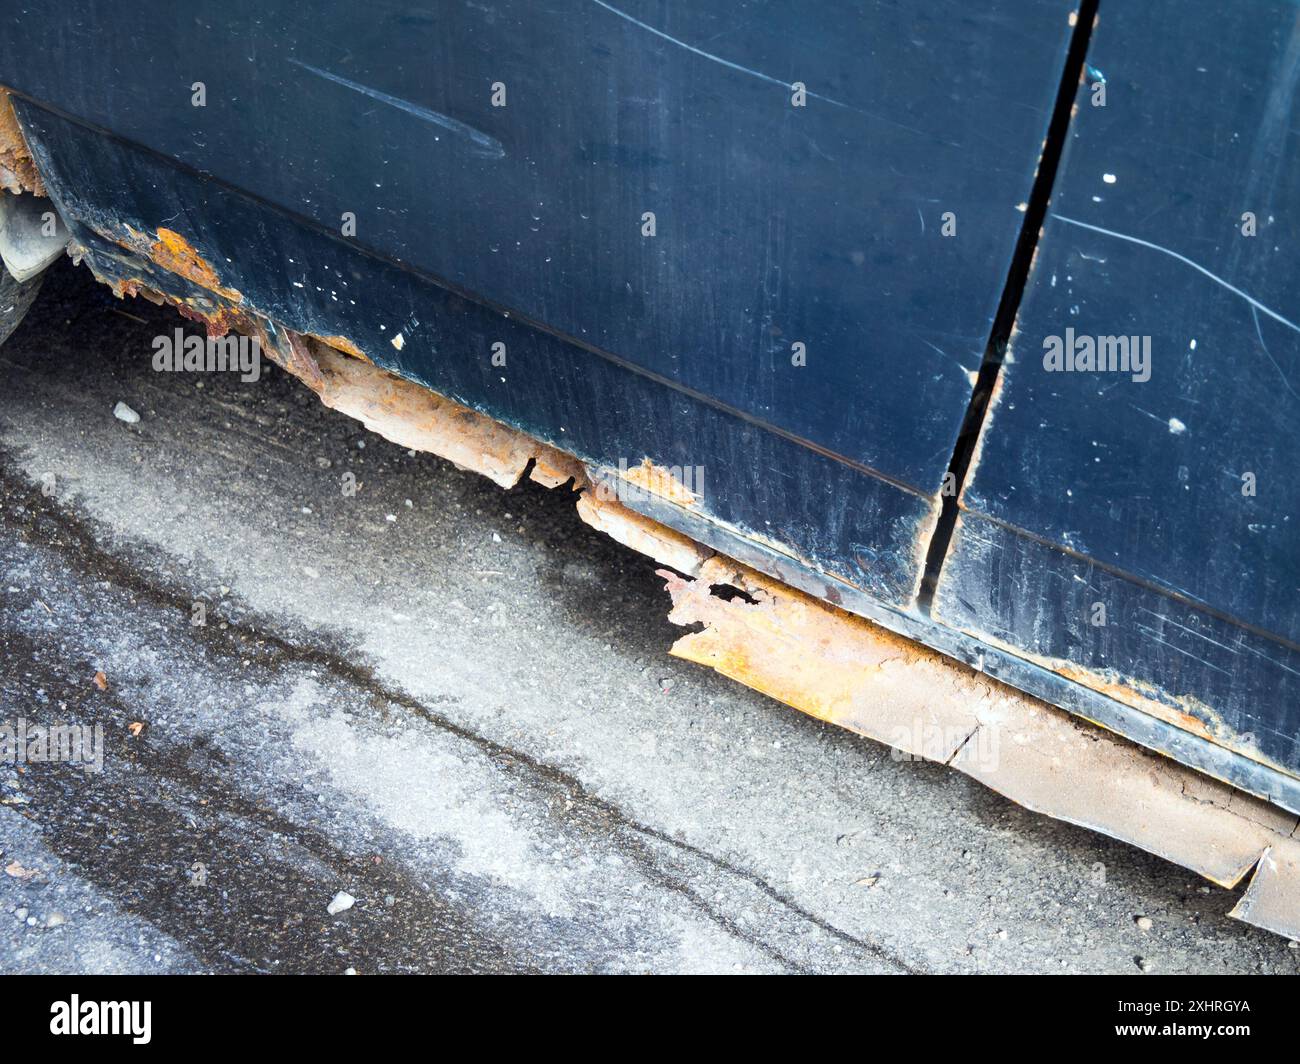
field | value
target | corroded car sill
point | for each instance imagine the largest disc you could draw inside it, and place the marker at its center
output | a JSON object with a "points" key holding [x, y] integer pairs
{"points": [[847, 671]]}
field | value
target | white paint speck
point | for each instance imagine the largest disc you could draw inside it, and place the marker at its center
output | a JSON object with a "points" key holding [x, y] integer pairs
{"points": [[1176, 426], [1109, 178], [398, 342]]}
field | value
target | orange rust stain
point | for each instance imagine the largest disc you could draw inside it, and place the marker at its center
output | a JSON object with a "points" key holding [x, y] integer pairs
{"points": [[342, 343], [218, 322], [1125, 693], [411, 415], [797, 649], [173, 252], [553, 468]]}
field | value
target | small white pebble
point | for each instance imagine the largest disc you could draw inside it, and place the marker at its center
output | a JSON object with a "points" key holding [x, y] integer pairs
{"points": [[343, 901], [124, 413]]}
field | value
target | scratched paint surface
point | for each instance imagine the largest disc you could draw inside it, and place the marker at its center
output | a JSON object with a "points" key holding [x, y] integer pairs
{"points": [[1172, 501], [774, 224]]}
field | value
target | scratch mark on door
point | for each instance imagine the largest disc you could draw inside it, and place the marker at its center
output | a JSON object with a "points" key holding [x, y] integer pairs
{"points": [[484, 145]]}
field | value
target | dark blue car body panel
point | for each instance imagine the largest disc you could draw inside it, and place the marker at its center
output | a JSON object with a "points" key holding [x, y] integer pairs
{"points": [[808, 311]]}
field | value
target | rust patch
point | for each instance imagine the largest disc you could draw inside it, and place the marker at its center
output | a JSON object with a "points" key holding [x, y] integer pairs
{"points": [[291, 352], [663, 544], [806, 654], [342, 343], [414, 417], [172, 252], [553, 468], [218, 320], [18, 171]]}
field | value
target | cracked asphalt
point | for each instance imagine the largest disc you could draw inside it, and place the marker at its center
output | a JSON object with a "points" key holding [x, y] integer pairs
{"points": [[454, 704]]}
